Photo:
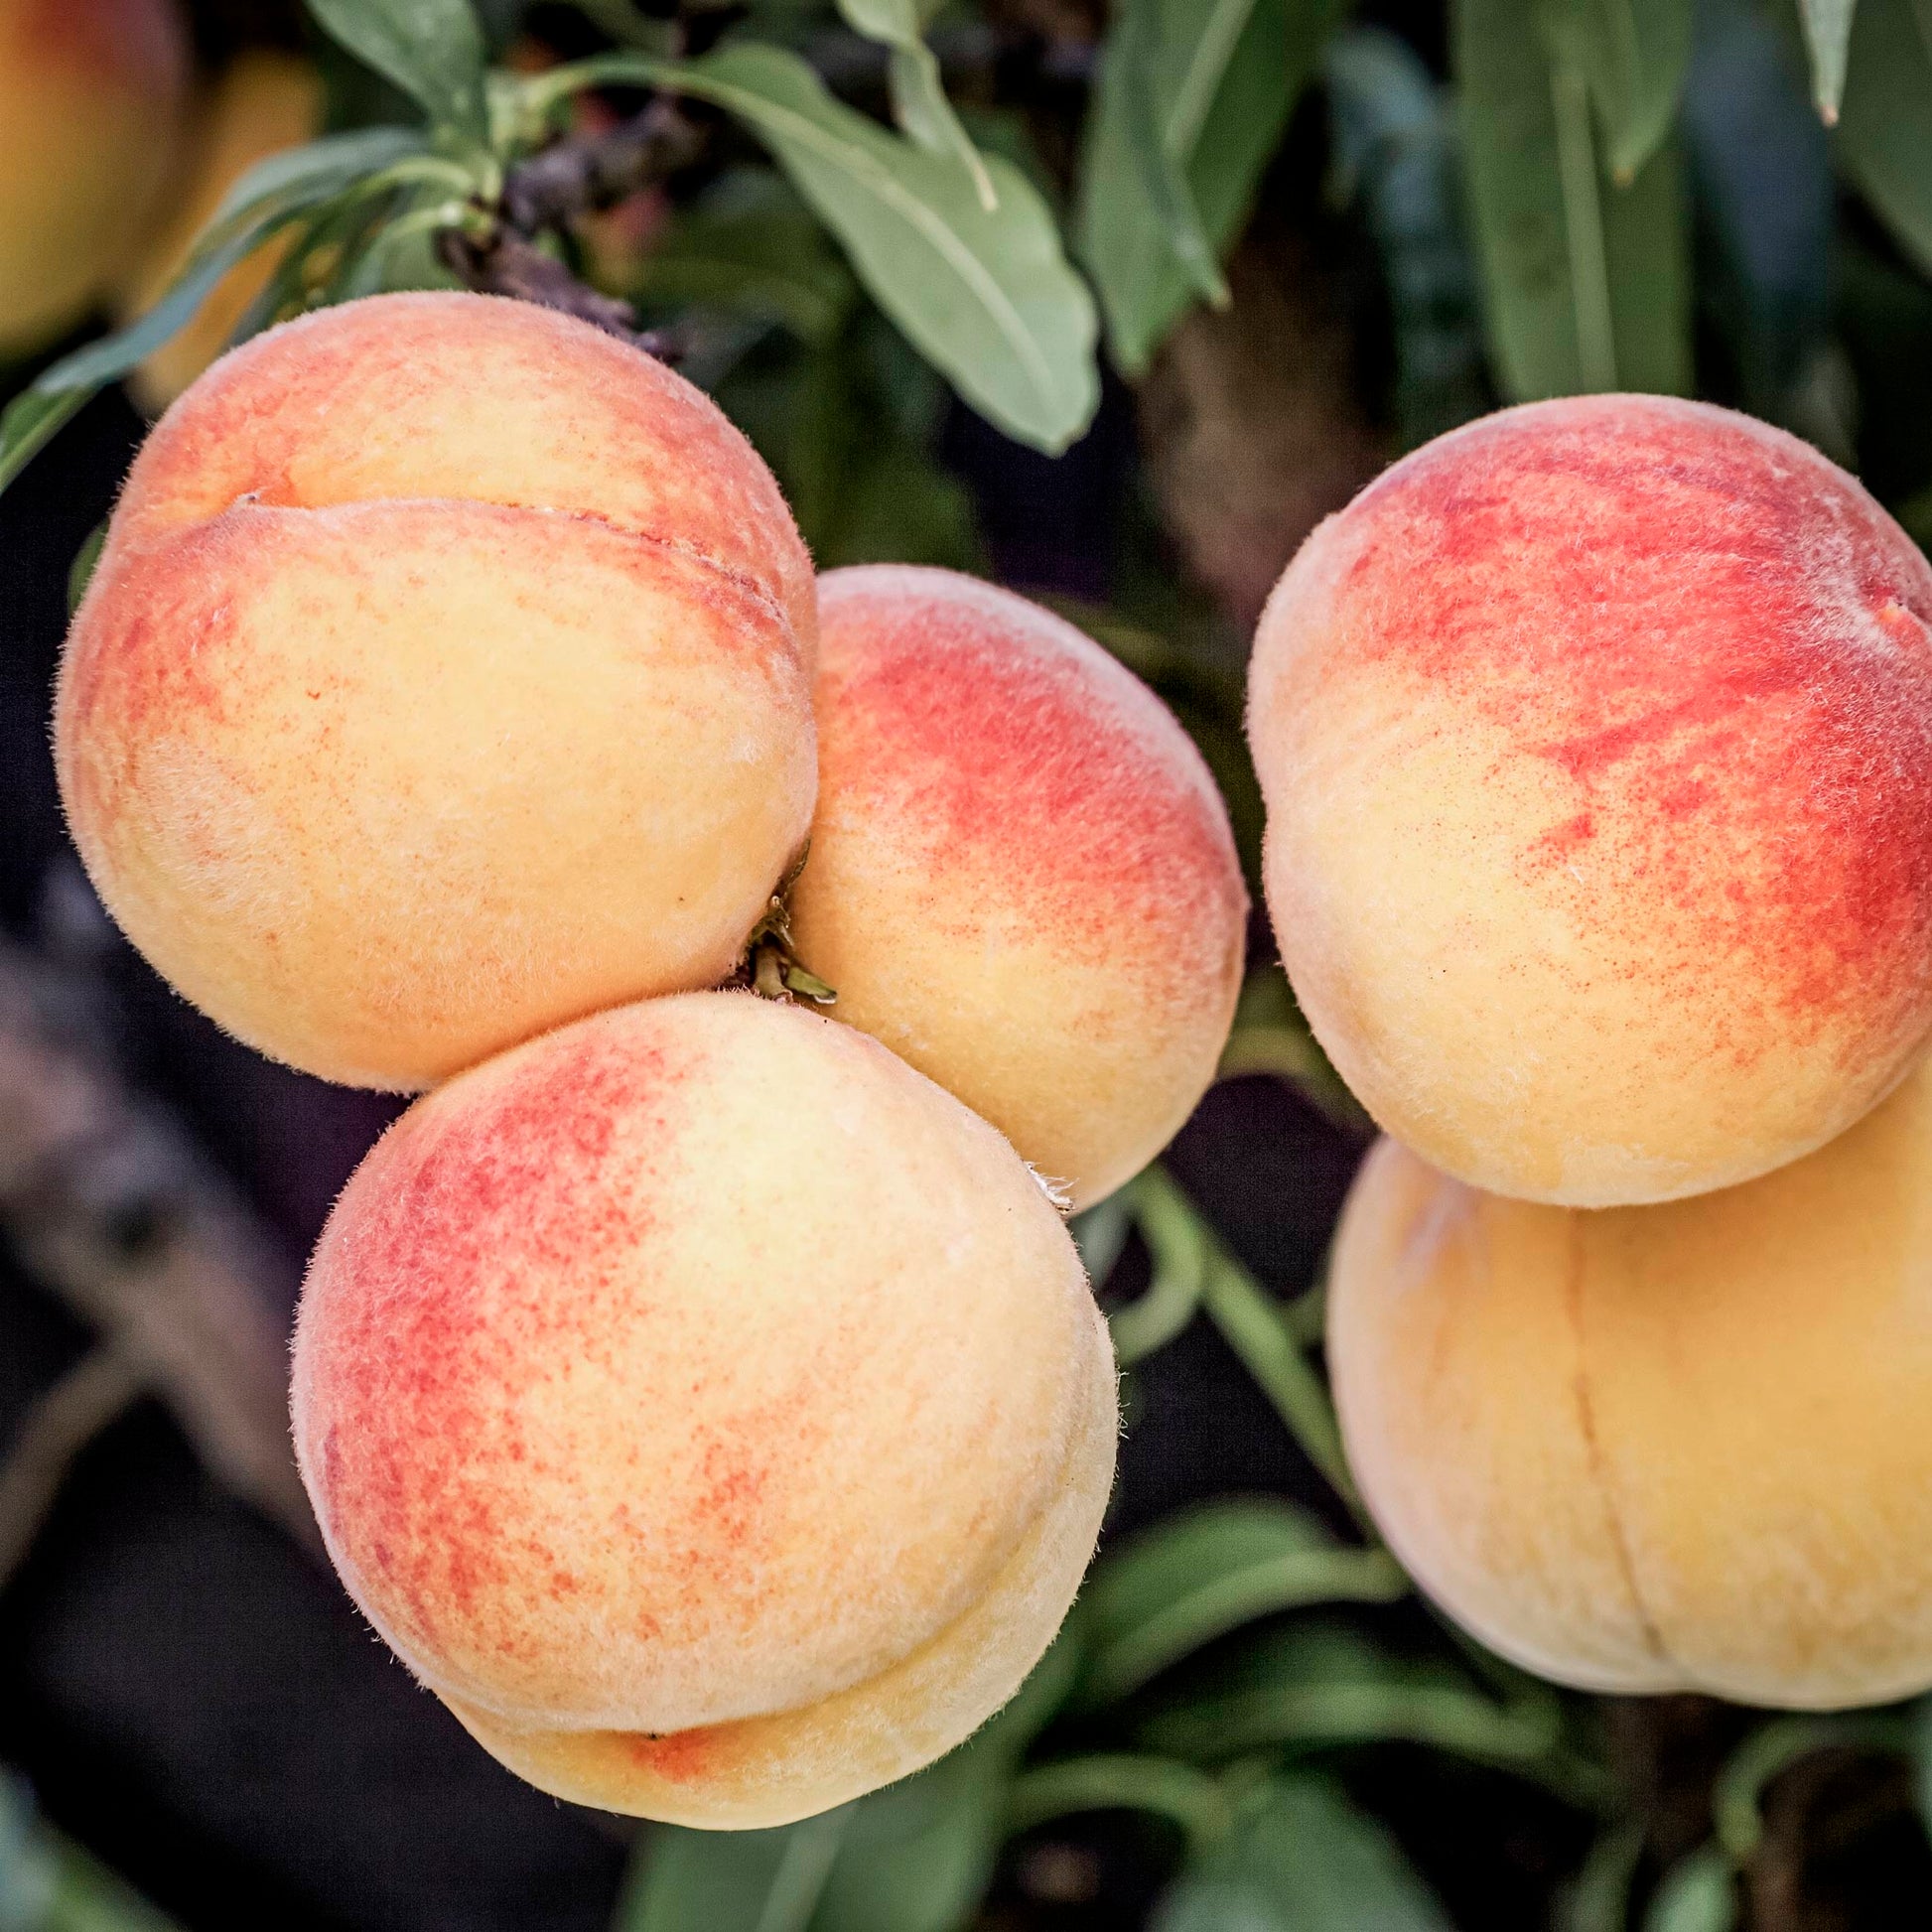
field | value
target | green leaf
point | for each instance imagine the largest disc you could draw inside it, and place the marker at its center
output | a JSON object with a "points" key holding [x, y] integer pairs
{"points": [[315, 171], [988, 298], [1321, 1684], [1162, 1787], [913, 1857], [1100, 1232], [919, 102], [1828, 38], [1699, 1894], [1202, 1574], [81, 571], [60, 394], [1586, 284], [1391, 132], [762, 1881], [1302, 1859], [433, 50], [1885, 139], [752, 247], [1599, 1899], [1191, 101], [1633, 55]]}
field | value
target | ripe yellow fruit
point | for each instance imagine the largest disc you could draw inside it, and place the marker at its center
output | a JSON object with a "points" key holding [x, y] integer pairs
{"points": [[1596, 745], [92, 98], [1021, 877], [1686, 1447], [446, 675], [263, 103], [709, 1408]]}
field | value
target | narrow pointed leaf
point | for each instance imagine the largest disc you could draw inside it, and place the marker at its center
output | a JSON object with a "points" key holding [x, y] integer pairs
{"points": [[1828, 38], [1586, 284], [762, 1881], [1193, 1578], [1698, 1895], [1223, 75], [989, 299], [1302, 1858], [433, 50], [1633, 55], [919, 102], [1884, 140]]}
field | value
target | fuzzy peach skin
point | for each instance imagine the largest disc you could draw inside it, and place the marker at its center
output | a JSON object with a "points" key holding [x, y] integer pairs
{"points": [[446, 675], [93, 97], [1596, 745], [1686, 1447], [1021, 877], [265, 101], [707, 1407]]}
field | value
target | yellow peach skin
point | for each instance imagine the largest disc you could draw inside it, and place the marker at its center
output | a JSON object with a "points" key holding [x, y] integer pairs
{"points": [[1596, 739], [1022, 878], [1686, 1447], [262, 103], [446, 675], [92, 98], [707, 1407]]}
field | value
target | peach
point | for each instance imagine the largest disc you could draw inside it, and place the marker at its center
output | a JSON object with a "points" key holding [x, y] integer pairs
{"points": [[92, 99], [446, 675], [1686, 1447], [263, 103], [707, 1406], [1022, 878], [1596, 739]]}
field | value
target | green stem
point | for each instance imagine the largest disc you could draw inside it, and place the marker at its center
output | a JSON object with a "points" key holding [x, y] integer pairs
{"points": [[1121, 1782], [1736, 1798], [1255, 1330], [1176, 1240]]}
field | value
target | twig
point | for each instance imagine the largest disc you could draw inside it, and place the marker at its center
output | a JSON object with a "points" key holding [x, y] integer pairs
{"points": [[587, 171], [65, 1418], [504, 263], [110, 1206]]}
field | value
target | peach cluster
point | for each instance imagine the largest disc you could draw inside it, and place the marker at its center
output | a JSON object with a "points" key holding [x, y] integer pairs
{"points": [[700, 1394], [1596, 745]]}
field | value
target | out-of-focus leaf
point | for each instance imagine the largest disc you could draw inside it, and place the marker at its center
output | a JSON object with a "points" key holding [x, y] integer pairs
{"points": [[1393, 144], [1828, 36], [1921, 1720], [1178, 1244], [315, 171], [752, 247], [1322, 1683], [912, 1857], [917, 1856], [1599, 1900], [1100, 1233], [80, 574], [1191, 101], [1699, 1894], [1760, 170], [1773, 1747], [48, 1884], [919, 102], [1884, 138], [989, 299], [1633, 55], [1197, 1576], [1586, 284], [53, 398], [765, 1881], [433, 50], [1302, 1859]]}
